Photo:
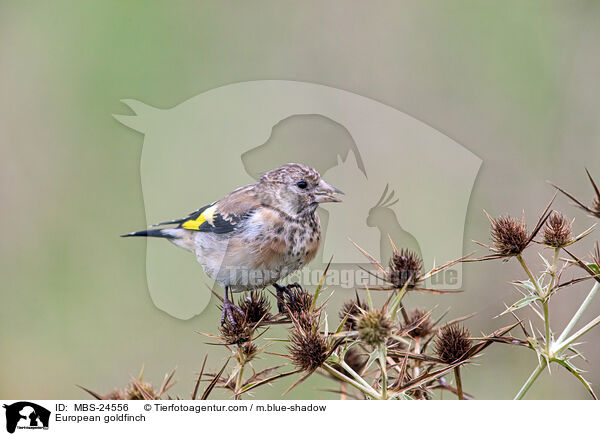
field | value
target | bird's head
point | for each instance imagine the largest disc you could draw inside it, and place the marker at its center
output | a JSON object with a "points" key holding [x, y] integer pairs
{"points": [[296, 188]]}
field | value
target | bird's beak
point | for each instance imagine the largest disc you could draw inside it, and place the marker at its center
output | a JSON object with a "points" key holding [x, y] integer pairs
{"points": [[324, 193]]}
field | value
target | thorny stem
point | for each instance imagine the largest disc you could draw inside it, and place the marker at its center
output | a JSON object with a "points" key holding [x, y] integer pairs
{"points": [[383, 365], [579, 312], [542, 295], [530, 275], [547, 326], [367, 391], [238, 378], [353, 373], [554, 266], [561, 346], [458, 379], [532, 378]]}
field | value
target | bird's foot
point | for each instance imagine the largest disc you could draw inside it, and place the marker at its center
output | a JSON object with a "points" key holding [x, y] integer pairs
{"points": [[227, 313], [288, 291]]}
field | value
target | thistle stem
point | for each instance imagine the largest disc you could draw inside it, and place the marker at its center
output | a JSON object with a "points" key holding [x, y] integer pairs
{"points": [[532, 378], [238, 379], [530, 275], [383, 365], [579, 312], [547, 326], [561, 346], [459, 386], [370, 392], [354, 375], [542, 295]]}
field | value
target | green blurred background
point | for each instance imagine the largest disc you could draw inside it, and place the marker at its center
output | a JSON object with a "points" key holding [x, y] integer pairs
{"points": [[515, 82]]}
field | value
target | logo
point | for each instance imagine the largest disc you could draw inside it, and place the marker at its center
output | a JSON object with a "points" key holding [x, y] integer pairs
{"points": [[403, 179], [26, 415]]}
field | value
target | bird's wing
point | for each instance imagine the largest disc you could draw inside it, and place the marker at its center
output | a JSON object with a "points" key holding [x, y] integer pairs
{"points": [[225, 215]]}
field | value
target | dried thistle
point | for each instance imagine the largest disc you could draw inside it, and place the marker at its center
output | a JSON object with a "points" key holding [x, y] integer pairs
{"points": [[351, 310], [256, 307], [557, 231], [237, 333], [594, 209], [374, 327], [452, 343], [406, 268], [139, 390], [509, 235], [308, 349], [298, 300], [116, 394], [424, 326]]}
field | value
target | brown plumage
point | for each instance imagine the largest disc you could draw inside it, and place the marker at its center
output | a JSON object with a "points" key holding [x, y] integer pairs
{"points": [[257, 234]]}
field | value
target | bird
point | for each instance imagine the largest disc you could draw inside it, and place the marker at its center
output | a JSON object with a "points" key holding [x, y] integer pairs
{"points": [[256, 235]]}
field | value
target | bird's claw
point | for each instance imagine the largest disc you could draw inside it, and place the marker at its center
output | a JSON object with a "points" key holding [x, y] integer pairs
{"points": [[288, 291], [227, 313]]}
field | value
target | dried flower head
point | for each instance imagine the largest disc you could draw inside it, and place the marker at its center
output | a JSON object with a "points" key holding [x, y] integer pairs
{"points": [[237, 333], [308, 349], [306, 320], [557, 232], [509, 235], [452, 343], [374, 327], [116, 394], [352, 310], [423, 323], [406, 268], [300, 300], [256, 307], [132, 392], [249, 351]]}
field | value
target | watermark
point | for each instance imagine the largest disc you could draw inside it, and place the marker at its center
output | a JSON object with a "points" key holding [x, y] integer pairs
{"points": [[25, 415], [403, 179]]}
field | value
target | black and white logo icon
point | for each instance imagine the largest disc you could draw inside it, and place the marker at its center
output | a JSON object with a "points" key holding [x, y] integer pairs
{"points": [[26, 415]]}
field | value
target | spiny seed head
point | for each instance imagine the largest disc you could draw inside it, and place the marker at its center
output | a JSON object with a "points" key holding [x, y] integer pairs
{"points": [[116, 394], [256, 307], [452, 343], [374, 327], [249, 351], [425, 326], [308, 349], [236, 333], [509, 236], [133, 393], [557, 231], [301, 302], [352, 309], [405, 267], [307, 320]]}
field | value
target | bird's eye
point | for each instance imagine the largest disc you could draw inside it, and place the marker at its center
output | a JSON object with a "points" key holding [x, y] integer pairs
{"points": [[302, 184]]}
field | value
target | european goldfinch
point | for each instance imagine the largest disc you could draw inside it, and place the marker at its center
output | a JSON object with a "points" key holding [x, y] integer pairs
{"points": [[257, 234]]}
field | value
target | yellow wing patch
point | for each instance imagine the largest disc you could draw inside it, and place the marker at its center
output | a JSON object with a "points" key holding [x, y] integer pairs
{"points": [[207, 215]]}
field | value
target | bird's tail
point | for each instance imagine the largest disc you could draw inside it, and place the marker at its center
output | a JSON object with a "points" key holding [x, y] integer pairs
{"points": [[154, 233]]}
